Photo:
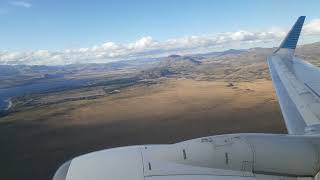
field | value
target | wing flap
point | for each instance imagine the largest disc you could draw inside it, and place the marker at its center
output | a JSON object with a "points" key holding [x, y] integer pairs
{"points": [[293, 119], [298, 98]]}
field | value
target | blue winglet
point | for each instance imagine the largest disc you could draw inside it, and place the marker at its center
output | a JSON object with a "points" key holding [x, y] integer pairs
{"points": [[291, 40]]}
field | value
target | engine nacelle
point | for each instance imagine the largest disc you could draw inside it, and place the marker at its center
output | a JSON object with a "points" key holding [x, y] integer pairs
{"points": [[241, 155], [246, 153]]}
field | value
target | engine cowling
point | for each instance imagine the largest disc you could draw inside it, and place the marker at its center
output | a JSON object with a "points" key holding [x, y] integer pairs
{"points": [[241, 155]]}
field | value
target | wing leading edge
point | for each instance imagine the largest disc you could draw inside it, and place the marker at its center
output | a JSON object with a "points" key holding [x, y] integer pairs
{"points": [[297, 85]]}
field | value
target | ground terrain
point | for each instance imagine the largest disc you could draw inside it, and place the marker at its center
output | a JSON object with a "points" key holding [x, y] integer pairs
{"points": [[38, 140], [170, 100]]}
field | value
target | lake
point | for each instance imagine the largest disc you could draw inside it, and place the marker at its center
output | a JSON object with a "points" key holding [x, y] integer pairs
{"points": [[38, 87]]}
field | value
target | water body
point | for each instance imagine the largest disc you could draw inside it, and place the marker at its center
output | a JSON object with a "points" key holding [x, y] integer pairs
{"points": [[38, 87]]}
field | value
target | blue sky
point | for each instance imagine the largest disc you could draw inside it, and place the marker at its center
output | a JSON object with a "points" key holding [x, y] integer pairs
{"points": [[56, 25]]}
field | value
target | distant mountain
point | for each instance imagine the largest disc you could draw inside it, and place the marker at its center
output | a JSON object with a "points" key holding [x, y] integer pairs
{"points": [[230, 64], [40, 70], [172, 65], [310, 52], [6, 70], [222, 53]]}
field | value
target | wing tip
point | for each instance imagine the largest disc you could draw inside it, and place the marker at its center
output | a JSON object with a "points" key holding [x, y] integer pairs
{"points": [[291, 40]]}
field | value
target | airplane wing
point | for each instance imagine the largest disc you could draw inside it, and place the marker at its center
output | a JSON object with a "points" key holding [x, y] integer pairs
{"points": [[297, 85]]}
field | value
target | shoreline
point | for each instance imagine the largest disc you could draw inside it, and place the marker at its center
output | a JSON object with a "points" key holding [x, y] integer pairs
{"points": [[9, 102]]}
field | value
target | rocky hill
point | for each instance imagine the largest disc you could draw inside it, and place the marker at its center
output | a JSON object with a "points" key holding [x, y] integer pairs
{"points": [[242, 65], [174, 65]]}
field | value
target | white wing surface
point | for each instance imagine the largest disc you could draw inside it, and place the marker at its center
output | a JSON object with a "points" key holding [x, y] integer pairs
{"points": [[297, 85]]}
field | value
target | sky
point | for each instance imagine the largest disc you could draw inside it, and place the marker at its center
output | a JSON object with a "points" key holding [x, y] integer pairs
{"points": [[52, 32]]}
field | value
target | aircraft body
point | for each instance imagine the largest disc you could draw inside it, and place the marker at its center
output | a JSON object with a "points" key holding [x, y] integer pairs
{"points": [[232, 156]]}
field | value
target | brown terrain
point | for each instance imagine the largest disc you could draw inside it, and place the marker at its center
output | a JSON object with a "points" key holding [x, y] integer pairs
{"points": [[180, 100]]}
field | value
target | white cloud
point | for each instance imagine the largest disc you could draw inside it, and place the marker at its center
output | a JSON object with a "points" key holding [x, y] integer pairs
{"points": [[109, 45], [143, 43], [148, 47], [21, 4], [312, 28]]}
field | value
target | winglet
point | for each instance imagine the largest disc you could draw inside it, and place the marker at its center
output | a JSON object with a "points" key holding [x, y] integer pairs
{"points": [[291, 40]]}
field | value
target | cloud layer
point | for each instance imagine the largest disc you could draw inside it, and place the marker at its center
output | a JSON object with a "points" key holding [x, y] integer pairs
{"points": [[147, 47]]}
